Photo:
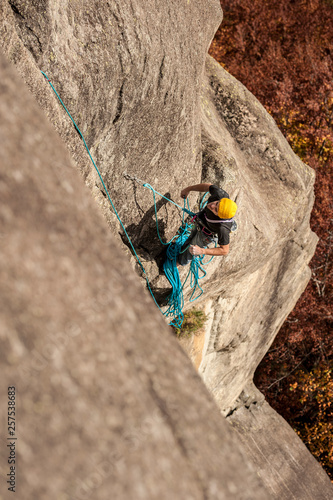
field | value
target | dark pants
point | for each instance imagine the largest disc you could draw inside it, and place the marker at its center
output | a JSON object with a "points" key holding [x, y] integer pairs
{"points": [[197, 237]]}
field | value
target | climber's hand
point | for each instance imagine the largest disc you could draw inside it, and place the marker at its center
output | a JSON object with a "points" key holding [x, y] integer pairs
{"points": [[195, 250], [184, 193]]}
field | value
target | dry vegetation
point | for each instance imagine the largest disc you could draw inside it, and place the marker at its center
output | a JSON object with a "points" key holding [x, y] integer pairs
{"points": [[282, 51]]}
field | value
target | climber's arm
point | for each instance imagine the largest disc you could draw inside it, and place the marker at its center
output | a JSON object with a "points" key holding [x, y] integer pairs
{"points": [[221, 250], [201, 188]]}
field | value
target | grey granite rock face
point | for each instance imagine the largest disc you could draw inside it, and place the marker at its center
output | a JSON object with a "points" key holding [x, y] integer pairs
{"points": [[150, 103], [287, 469], [256, 286], [121, 67], [107, 403]]}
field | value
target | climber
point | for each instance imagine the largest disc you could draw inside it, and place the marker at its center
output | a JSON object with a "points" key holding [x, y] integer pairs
{"points": [[215, 221]]}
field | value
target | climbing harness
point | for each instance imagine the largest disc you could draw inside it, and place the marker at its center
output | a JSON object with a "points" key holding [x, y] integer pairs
{"points": [[197, 272]]}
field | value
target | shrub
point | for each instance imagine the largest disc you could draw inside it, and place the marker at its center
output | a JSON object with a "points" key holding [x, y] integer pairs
{"points": [[194, 320]]}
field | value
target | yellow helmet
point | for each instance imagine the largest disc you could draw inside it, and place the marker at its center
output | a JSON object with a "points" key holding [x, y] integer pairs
{"points": [[227, 208]]}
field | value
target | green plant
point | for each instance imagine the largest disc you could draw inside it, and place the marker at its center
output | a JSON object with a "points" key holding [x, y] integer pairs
{"points": [[193, 321]]}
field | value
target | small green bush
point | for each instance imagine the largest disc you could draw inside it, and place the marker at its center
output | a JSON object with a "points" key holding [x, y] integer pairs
{"points": [[193, 321]]}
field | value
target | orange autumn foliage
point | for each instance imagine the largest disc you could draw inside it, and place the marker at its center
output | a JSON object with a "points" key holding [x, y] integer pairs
{"points": [[282, 51], [313, 421]]}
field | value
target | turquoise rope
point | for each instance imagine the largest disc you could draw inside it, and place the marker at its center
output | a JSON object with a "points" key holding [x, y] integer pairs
{"points": [[176, 299], [196, 273], [155, 207], [203, 203], [187, 210], [108, 195]]}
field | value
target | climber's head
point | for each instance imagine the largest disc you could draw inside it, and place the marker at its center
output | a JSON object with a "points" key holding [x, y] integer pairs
{"points": [[224, 208]]}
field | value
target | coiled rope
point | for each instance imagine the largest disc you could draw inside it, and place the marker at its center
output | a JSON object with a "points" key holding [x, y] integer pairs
{"points": [[196, 272], [176, 299]]}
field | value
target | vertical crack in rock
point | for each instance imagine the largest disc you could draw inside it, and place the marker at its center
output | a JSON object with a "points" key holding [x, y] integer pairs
{"points": [[161, 73], [122, 31], [119, 104], [145, 60], [15, 9], [30, 39]]}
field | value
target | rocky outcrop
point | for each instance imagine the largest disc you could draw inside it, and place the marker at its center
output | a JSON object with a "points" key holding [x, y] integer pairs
{"points": [[152, 104], [136, 93], [119, 68], [253, 290], [108, 405], [286, 468]]}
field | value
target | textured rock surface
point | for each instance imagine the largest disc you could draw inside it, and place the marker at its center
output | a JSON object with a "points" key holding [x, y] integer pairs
{"points": [[256, 286], [136, 90], [286, 468], [150, 103], [102, 411], [120, 67]]}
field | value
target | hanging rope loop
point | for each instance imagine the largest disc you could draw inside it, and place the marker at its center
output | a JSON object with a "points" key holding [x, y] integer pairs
{"points": [[175, 245]]}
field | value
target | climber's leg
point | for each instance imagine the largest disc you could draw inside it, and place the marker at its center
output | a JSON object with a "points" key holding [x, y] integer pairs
{"points": [[196, 238], [185, 256]]}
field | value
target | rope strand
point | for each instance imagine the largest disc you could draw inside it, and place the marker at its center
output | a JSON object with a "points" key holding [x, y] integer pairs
{"points": [[176, 299]]}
